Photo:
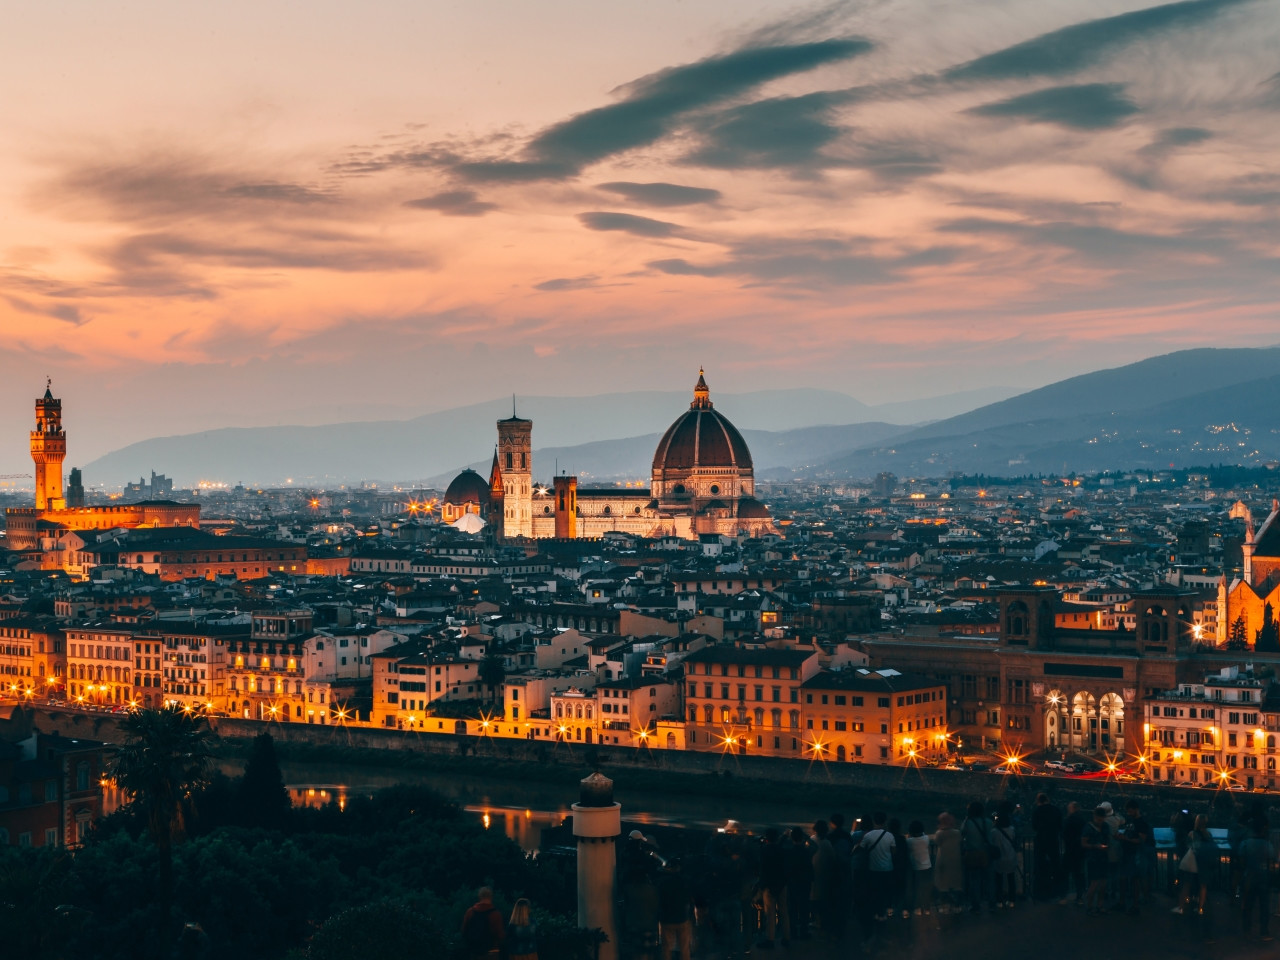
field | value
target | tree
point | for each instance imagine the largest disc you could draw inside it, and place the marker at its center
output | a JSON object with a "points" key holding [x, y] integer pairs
{"points": [[383, 929], [164, 760], [493, 671], [261, 796], [1268, 639], [1239, 636]]}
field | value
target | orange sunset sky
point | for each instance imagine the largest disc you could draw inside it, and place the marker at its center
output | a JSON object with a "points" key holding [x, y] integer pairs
{"points": [[269, 212]]}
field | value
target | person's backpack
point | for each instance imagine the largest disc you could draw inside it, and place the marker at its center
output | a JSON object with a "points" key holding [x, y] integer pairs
{"points": [[477, 934]]}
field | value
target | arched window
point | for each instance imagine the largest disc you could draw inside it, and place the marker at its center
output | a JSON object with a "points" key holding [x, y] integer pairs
{"points": [[840, 752], [588, 711], [775, 718], [708, 713], [794, 719], [509, 464], [693, 714], [559, 711], [759, 716]]}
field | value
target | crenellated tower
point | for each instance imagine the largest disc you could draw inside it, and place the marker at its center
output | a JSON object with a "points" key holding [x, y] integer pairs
{"points": [[48, 450]]}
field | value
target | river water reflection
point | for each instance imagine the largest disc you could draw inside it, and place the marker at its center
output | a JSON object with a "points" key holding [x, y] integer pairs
{"points": [[522, 809]]}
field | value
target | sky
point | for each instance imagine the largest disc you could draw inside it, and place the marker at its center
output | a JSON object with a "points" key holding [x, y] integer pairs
{"points": [[271, 212]]}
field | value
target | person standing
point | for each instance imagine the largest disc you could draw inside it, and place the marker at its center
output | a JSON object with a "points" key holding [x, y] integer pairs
{"points": [[799, 860], [920, 870], [673, 912], [483, 932], [878, 843], [1095, 841], [977, 859], [1256, 855], [948, 872], [1135, 840], [1073, 858], [1046, 828], [522, 934], [824, 878], [773, 890], [1115, 825], [1006, 862]]}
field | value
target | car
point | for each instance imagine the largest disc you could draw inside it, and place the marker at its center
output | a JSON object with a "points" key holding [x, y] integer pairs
{"points": [[954, 766], [1126, 778], [1054, 765]]}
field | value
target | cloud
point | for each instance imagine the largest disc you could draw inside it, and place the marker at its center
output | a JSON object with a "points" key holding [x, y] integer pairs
{"points": [[1081, 45], [787, 262], [282, 192], [653, 107], [163, 184], [779, 132], [65, 312], [661, 194], [629, 223], [568, 283], [1086, 106], [453, 203]]}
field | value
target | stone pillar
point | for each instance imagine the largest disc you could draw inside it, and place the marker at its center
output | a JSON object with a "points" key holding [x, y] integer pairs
{"points": [[597, 823]]}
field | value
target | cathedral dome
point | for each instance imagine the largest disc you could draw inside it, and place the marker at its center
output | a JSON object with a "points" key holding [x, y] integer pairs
{"points": [[468, 487], [701, 438]]}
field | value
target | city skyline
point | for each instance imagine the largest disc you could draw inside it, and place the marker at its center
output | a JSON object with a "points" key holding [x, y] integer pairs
{"points": [[1037, 190]]}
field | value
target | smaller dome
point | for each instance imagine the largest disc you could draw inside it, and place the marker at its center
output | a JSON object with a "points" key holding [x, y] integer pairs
{"points": [[749, 508], [467, 487]]}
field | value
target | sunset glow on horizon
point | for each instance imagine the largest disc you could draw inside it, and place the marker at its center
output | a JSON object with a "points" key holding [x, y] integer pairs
{"points": [[274, 207]]}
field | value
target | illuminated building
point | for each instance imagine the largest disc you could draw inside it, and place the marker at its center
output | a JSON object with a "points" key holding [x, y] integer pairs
{"points": [[747, 699], [266, 671], [702, 481], [43, 529], [882, 716], [1248, 607], [99, 665], [1221, 731]]}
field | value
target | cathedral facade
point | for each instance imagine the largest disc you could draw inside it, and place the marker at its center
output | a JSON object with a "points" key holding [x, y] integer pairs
{"points": [[1249, 607], [702, 481]]}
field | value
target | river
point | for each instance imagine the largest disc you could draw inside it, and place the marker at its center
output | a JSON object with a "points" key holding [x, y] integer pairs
{"points": [[522, 809]]}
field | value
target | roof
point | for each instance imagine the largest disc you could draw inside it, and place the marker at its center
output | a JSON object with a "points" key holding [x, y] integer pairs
{"points": [[467, 487], [885, 681], [763, 656]]}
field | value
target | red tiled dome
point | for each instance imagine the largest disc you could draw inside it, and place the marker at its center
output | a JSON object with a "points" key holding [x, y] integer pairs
{"points": [[701, 437], [467, 487]]}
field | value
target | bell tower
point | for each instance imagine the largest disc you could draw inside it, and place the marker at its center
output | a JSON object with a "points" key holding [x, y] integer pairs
{"points": [[515, 460], [48, 450]]}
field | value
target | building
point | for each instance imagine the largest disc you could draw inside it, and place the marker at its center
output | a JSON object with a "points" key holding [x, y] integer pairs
{"points": [[882, 716], [42, 528], [702, 481], [51, 790], [1221, 730], [100, 664], [1249, 605], [406, 682], [265, 670], [1040, 686], [747, 699], [183, 552]]}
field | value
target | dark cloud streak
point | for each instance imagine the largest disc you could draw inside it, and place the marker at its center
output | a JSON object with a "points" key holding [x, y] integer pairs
{"points": [[1086, 106]]}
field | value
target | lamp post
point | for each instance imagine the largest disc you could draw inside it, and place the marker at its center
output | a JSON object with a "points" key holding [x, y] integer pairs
{"points": [[597, 822]]}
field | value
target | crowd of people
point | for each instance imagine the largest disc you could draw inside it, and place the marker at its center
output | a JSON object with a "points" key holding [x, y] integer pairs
{"points": [[839, 883]]}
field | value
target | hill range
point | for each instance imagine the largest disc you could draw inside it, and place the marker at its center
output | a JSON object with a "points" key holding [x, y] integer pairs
{"points": [[1193, 407]]}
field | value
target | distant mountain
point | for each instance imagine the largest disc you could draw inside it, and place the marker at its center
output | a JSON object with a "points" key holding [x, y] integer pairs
{"points": [[435, 444], [1102, 421]]}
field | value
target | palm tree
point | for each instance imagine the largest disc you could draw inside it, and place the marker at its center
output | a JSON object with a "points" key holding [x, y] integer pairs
{"points": [[164, 760]]}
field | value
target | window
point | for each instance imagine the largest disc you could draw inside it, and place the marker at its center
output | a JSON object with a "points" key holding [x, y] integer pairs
{"points": [[882, 702], [884, 753], [51, 837], [82, 775]]}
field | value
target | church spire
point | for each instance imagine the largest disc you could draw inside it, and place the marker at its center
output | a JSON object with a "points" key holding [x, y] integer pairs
{"points": [[701, 393]]}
